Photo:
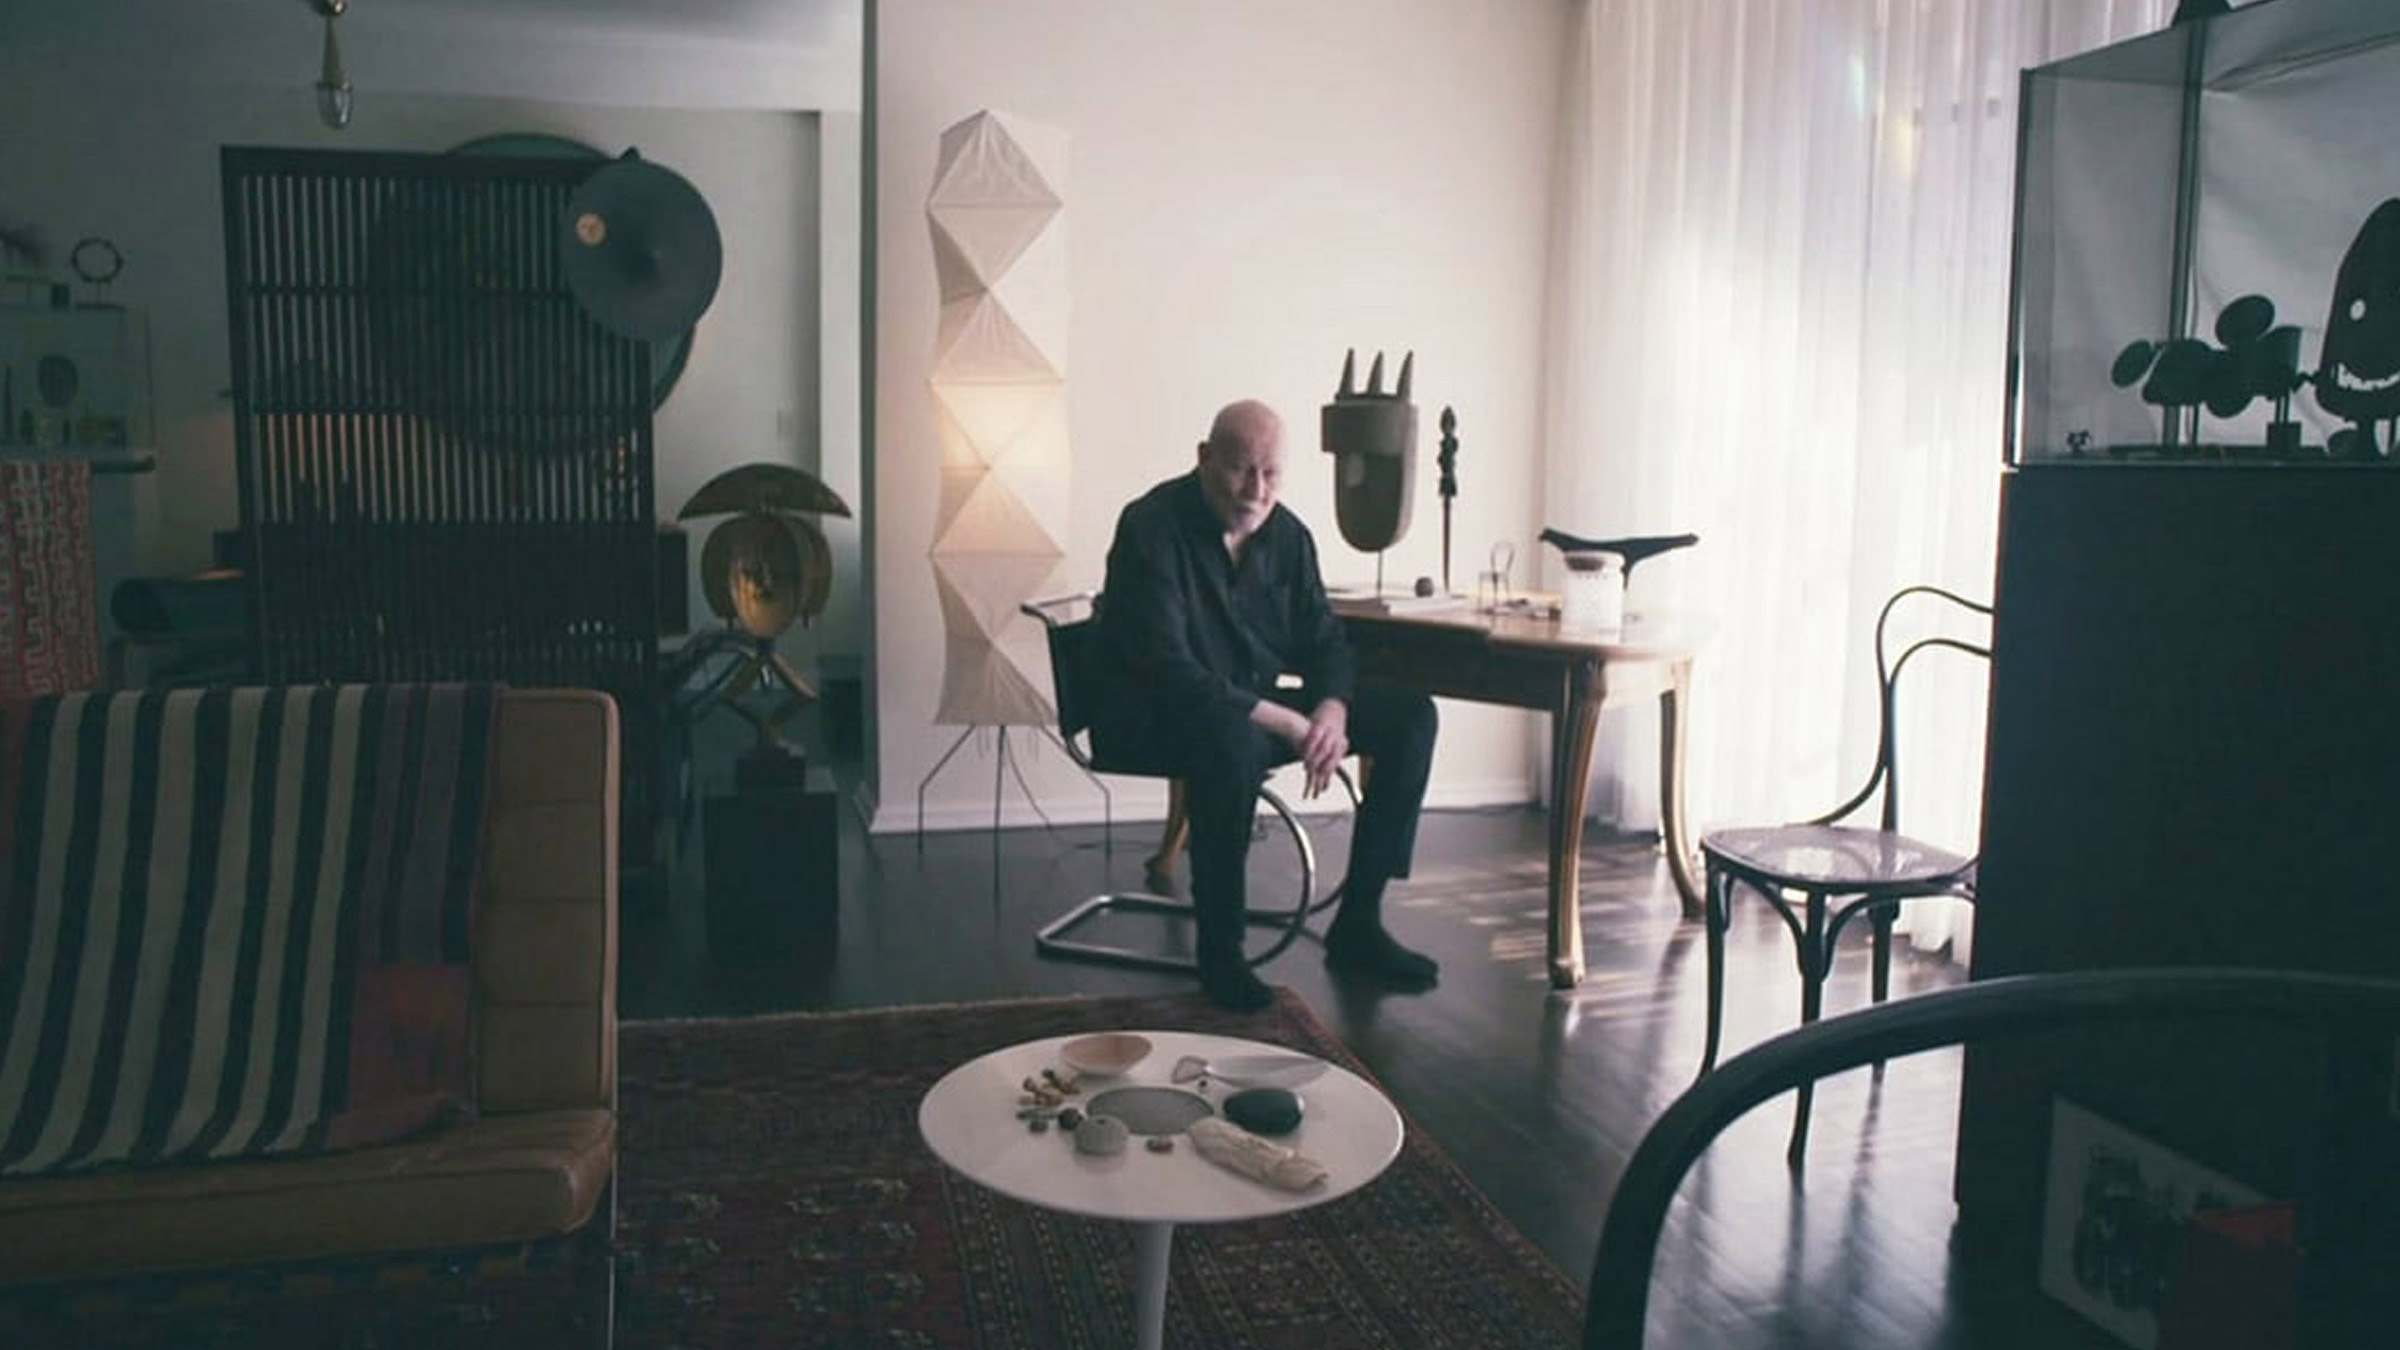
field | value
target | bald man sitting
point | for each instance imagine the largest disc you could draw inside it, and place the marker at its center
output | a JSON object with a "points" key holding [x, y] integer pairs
{"points": [[1212, 594]]}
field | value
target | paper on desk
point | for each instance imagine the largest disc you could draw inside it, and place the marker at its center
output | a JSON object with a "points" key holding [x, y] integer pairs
{"points": [[1231, 1147], [1368, 600]]}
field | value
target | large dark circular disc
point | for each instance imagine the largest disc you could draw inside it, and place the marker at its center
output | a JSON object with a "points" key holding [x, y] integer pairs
{"points": [[641, 250], [669, 354]]}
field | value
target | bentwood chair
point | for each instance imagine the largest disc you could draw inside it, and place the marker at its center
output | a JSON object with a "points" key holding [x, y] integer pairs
{"points": [[1070, 623], [2352, 1019], [1840, 870]]}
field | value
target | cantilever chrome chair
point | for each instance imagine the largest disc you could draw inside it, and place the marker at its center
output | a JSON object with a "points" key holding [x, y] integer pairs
{"points": [[2354, 1018], [1841, 870], [1070, 625]]}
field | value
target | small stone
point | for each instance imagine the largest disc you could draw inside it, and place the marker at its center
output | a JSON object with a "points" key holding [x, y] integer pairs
{"points": [[1424, 586], [1038, 1125], [1264, 1110], [1100, 1135], [1069, 1118], [1159, 1143]]}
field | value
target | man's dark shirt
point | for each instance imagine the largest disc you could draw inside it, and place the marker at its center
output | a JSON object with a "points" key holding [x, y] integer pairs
{"points": [[1182, 627]]}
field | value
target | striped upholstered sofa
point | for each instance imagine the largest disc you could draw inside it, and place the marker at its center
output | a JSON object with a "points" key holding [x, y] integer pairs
{"points": [[536, 1156]]}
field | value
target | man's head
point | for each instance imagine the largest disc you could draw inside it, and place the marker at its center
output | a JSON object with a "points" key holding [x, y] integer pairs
{"points": [[1241, 465]]}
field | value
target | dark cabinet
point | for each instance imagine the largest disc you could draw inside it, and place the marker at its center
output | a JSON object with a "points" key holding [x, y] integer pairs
{"points": [[2193, 759]]}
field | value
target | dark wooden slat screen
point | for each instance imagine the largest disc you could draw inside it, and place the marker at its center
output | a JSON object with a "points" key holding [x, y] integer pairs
{"points": [[445, 467]]}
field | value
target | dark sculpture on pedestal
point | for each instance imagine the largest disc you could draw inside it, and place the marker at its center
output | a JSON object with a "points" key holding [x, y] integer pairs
{"points": [[1372, 437], [1447, 459]]}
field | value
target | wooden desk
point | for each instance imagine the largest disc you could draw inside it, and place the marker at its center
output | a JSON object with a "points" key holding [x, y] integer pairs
{"points": [[1523, 661]]}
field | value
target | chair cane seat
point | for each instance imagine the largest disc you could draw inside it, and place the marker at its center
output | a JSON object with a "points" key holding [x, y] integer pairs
{"points": [[1836, 858]]}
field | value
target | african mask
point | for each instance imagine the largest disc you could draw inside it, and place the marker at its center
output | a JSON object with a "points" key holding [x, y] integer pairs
{"points": [[1373, 440]]}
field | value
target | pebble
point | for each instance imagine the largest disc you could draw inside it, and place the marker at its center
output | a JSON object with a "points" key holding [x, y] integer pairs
{"points": [[1101, 1135], [1069, 1118], [1159, 1143], [1038, 1125], [1264, 1110]]}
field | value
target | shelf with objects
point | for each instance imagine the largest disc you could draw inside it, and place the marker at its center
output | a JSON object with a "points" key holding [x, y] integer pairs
{"points": [[74, 363], [75, 434], [2192, 737], [75, 380]]}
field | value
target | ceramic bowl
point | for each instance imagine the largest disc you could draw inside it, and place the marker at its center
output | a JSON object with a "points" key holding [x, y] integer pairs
{"points": [[1106, 1055]]}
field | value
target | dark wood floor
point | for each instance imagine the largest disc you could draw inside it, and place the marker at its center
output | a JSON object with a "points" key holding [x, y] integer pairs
{"points": [[1538, 1094]]}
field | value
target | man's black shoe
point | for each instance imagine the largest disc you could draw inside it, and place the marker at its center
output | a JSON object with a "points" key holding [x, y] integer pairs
{"points": [[1373, 952], [1232, 986]]}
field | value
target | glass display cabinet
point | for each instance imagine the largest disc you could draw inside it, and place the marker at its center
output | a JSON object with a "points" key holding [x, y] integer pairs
{"points": [[2208, 244]]}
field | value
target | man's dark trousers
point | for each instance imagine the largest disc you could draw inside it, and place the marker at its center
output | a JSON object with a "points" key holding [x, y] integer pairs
{"points": [[1222, 757]]}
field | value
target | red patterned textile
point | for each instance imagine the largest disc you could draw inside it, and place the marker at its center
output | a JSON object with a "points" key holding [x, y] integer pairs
{"points": [[49, 596]]}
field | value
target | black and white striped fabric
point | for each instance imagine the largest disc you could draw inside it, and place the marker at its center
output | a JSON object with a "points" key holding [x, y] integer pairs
{"points": [[217, 908]]}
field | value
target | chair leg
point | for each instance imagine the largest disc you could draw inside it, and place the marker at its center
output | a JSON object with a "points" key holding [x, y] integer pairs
{"points": [[1883, 916], [1719, 897], [1057, 938], [1815, 961], [593, 1253]]}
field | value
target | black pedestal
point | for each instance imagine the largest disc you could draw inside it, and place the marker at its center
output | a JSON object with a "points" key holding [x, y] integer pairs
{"points": [[772, 865]]}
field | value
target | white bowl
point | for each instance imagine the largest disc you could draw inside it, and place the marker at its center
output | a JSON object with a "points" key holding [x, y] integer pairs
{"points": [[1105, 1055]]}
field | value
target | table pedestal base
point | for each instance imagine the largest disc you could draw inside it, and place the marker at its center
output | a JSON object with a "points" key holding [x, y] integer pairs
{"points": [[1150, 1244]]}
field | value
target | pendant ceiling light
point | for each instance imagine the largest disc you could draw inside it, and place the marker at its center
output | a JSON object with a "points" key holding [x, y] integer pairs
{"points": [[333, 83]]}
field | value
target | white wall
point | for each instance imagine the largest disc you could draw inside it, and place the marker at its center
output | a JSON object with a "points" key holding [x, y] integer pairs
{"points": [[1255, 186], [113, 129]]}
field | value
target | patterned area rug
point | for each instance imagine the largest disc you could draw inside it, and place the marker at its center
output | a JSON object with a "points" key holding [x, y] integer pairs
{"points": [[775, 1194]]}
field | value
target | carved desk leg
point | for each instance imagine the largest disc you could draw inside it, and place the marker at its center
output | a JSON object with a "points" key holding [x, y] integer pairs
{"points": [[1573, 726], [1675, 830]]}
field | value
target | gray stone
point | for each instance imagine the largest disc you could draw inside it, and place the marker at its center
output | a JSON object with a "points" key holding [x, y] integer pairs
{"points": [[1264, 1110], [1102, 1135]]}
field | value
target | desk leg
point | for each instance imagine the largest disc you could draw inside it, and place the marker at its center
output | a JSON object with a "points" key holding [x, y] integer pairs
{"points": [[1572, 730], [1674, 827], [1150, 1244]]}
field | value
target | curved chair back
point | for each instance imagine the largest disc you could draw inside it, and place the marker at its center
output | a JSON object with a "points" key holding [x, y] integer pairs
{"points": [[1885, 775], [1619, 1292]]}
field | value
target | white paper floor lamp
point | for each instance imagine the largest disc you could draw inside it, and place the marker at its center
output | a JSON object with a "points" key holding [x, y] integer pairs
{"points": [[999, 392]]}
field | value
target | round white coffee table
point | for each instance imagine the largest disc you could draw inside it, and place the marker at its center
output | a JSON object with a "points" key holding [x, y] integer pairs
{"points": [[969, 1121]]}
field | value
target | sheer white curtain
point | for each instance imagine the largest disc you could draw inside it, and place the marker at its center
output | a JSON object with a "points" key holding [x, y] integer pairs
{"points": [[1779, 319]]}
